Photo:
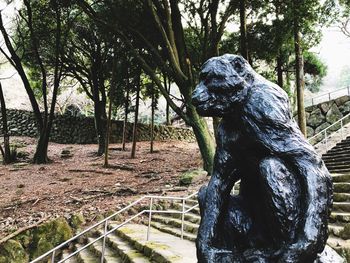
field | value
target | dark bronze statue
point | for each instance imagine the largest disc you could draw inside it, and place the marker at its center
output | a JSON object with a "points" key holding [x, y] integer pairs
{"points": [[281, 213]]}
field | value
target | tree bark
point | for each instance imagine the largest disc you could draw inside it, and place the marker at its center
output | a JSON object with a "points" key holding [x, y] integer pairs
{"points": [[204, 139], [280, 71], [6, 151], [167, 109], [299, 73], [243, 29], [152, 119], [126, 111], [134, 133]]}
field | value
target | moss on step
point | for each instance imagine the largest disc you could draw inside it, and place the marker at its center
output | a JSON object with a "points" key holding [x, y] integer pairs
{"points": [[76, 221], [49, 235], [13, 252], [192, 176]]}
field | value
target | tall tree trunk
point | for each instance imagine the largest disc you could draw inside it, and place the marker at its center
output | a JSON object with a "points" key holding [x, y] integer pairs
{"points": [[243, 29], [125, 123], [134, 132], [111, 97], [152, 119], [108, 130], [280, 70], [299, 73], [167, 109], [99, 125], [6, 151]]}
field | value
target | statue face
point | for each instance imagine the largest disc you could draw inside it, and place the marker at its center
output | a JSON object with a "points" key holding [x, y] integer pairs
{"points": [[221, 80]]}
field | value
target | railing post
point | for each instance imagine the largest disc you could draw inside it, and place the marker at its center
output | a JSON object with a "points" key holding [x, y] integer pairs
{"points": [[149, 218], [329, 96], [341, 129], [312, 102], [104, 241], [326, 140], [53, 256], [348, 90], [182, 218]]}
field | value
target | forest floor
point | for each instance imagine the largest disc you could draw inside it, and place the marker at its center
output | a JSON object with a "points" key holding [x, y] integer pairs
{"points": [[76, 180]]}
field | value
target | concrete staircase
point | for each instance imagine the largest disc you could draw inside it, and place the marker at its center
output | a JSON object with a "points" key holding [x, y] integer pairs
{"points": [[337, 159], [128, 243]]}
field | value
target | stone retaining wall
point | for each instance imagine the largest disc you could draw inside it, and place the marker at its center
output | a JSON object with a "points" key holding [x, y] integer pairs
{"points": [[319, 117], [81, 130]]}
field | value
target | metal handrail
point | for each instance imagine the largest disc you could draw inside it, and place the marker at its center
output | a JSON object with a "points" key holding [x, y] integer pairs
{"points": [[324, 131], [53, 251], [327, 95]]}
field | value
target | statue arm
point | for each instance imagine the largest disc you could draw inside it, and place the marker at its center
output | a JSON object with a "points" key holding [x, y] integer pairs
{"points": [[213, 198]]}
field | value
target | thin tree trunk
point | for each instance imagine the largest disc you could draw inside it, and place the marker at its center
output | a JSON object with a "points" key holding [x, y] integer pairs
{"points": [[299, 73], [111, 97], [280, 71], [167, 109], [6, 151], [99, 127], [243, 29], [108, 130], [126, 111], [40, 155], [134, 133], [152, 119]]}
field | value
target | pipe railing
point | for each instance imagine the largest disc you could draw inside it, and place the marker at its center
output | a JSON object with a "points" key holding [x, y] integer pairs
{"points": [[53, 252], [332, 128], [327, 96]]}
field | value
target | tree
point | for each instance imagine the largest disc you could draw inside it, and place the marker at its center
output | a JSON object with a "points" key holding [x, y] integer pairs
{"points": [[6, 151], [30, 19], [137, 104], [158, 27]]}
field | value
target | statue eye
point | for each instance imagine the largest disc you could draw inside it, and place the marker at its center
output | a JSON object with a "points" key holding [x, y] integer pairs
{"points": [[203, 75], [238, 65]]}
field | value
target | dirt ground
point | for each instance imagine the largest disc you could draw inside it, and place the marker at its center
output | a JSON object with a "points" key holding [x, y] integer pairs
{"points": [[79, 183]]}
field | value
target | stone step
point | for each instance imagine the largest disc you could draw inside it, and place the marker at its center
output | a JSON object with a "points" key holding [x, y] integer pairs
{"points": [[173, 231], [341, 178], [337, 163], [341, 246], [86, 256], [187, 226], [178, 207], [335, 229], [327, 159], [335, 155], [110, 256], [341, 197], [333, 170], [124, 250], [342, 217], [161, 247], [190, 217], [341, 206], [66, 253], [339, 148], [341, 187], [338, 166]]}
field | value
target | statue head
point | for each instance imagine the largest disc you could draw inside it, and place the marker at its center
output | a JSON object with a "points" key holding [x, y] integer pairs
{"points": [[222, 85]]}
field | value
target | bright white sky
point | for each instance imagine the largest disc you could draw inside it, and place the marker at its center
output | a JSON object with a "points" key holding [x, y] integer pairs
{"points": [[334, 49]]}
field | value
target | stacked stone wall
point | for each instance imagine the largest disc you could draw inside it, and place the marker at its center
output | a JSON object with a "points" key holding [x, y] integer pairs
{"points": [[81, 129], [319, 117]]}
